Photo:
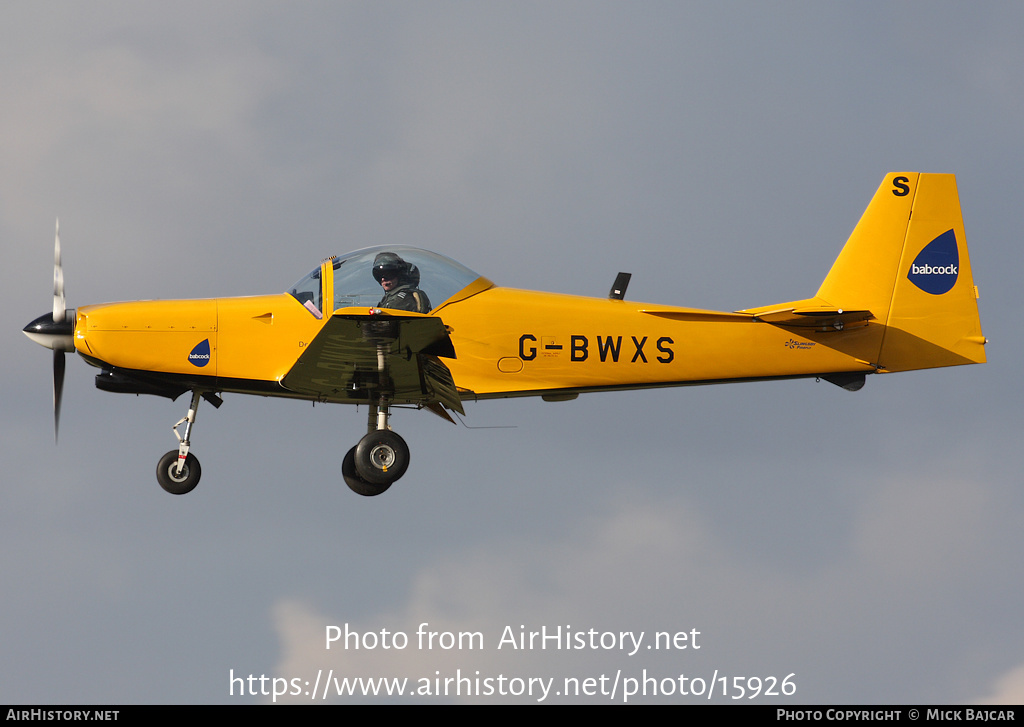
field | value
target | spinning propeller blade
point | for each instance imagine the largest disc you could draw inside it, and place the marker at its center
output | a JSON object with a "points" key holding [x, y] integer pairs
{"points": [[56, 331], [58, 280], [59, 309], [58, 390]]}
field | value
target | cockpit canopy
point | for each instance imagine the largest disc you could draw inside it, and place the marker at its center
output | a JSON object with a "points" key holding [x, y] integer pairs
{"points": [[354, 284]]}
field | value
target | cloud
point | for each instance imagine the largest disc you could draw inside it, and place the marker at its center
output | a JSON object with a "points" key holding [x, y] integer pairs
{"points": [[1008, 688], [594, 577], [657, 566]]}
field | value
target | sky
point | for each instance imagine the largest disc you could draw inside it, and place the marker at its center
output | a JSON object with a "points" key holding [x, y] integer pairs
{"points": [[810, 544]]}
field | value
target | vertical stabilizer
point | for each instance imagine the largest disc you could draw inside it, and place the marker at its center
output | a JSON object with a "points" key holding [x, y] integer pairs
{"points": [[907, 263], [862, 276]]}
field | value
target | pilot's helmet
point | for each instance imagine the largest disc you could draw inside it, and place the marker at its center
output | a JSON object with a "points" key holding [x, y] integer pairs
{"points": [[389, 265]]}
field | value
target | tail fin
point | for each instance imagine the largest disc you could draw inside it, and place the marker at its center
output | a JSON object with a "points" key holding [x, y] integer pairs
{"points": [[900, 295], [907, 263]]}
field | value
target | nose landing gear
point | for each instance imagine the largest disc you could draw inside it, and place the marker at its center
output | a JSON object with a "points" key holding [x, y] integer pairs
{"points": [[178, 471]]}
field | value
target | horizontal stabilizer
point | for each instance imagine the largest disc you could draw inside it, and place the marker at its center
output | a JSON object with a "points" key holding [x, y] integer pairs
{"points": [[821, 319]]}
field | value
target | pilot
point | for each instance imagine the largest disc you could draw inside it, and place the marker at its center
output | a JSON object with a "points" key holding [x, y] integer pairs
{"points": [[399, 279]]}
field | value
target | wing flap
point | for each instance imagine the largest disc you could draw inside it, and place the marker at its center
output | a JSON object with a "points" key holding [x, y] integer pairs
{"points": [[438, 381]]}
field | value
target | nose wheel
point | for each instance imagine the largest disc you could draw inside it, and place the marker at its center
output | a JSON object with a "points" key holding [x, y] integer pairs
{"points": [[178, 481]]}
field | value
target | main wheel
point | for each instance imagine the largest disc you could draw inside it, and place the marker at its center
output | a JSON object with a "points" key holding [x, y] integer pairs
{"points": [[356, 483], [170, 480], [381, 457]]}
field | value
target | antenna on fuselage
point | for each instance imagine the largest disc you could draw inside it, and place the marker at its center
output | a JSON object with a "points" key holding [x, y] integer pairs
{"points": [[618, 291]]}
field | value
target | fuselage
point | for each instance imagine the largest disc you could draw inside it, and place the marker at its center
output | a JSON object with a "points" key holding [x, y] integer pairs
{"points": [[871, 315], [520, 343], [507, 343]]}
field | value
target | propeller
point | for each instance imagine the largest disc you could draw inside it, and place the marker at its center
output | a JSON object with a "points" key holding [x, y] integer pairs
{"points": [[56, 331], [59, 309]]}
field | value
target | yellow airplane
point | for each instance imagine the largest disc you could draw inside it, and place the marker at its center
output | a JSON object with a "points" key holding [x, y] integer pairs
{"points": [[359, 329]]}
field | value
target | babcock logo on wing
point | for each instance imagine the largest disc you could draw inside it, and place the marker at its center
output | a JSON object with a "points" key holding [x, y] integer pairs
{"points": [[937, 266], [200, 355]]}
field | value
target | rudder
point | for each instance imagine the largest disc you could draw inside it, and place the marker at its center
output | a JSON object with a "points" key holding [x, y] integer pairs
{"points": [[933, 319]]}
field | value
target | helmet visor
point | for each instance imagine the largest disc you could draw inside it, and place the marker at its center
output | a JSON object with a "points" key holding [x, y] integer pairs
{"points": [[386, 272]]}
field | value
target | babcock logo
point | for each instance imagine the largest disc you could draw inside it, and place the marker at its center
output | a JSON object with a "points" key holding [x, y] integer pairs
{"points": [[200, 355], [937, 266]]}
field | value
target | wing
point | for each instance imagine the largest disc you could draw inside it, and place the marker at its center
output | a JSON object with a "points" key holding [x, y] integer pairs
{"points": [[357, 357]]}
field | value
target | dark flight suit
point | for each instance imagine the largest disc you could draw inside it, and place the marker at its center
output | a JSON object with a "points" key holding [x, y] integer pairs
{"points": [[406, 297]]}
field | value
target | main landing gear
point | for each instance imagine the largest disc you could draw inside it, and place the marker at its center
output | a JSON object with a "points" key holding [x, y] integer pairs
{"points": [[178, 471], [369, 468], [380, 458]]}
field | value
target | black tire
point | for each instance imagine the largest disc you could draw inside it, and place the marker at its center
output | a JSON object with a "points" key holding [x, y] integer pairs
{"points": [[171, 481], [382, 457], [356, 483]]}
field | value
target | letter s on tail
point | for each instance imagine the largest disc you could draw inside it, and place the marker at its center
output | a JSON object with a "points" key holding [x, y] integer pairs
{"points": [[907, 263]]}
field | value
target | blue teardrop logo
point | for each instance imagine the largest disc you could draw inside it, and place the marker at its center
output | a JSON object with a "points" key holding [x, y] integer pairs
{"points": [[937, 266], [200, 355]]}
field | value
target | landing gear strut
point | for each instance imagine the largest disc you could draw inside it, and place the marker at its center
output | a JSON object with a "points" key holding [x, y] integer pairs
{"points": [[380, 458], [178, 472]]}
